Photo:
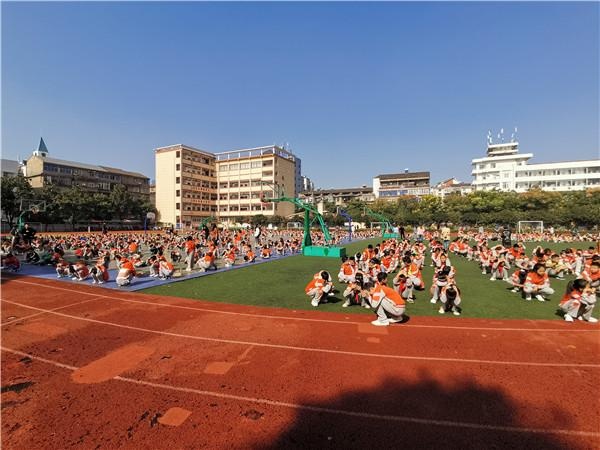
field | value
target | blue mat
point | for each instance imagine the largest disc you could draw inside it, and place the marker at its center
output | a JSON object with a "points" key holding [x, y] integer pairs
{"points": [[138, 283]]}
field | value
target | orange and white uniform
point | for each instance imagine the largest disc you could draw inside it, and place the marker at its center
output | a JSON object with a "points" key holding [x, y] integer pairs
{"points": [[347, 272], [317, 288], [387, 303]]}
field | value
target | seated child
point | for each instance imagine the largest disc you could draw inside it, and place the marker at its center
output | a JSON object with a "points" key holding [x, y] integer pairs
{"points": [[356, 293], [579, 301], [450, 298], [319, 287]]}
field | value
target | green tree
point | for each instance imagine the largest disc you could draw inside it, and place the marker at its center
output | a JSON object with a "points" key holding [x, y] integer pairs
{"points": [[13, 189]]}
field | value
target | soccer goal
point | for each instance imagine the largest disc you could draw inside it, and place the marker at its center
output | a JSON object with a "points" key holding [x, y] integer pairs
{"points": [[378, 226], [530, 226]]}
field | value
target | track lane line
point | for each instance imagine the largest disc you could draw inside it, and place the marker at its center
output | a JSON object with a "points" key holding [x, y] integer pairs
{"points": [[311, 350], [319, 409], [266, 316], [42, 313]]}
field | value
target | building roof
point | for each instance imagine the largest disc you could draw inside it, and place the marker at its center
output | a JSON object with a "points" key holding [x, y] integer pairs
{"points": [[403, 176], [359, 190], [42, 146], [64, 162], [10, 166]]}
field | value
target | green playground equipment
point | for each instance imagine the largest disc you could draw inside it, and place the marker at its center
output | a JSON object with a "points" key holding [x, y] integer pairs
{"points": [[387, 229], [308, 249]]}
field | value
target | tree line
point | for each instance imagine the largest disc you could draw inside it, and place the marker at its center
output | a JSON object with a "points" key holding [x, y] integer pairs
{"points": [[73, 205]]}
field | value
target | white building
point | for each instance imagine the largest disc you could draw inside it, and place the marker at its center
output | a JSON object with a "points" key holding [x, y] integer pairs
{"points": [[505, 169], [394, 185]]}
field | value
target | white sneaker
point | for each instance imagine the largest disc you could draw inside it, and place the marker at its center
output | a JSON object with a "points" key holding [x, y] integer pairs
{"points": [[187, 270], [366, 306], [379, 323], [514, 290], [390, 320], [579, 317], [568, 318], [94, 281], [493, 279], [528, 298], [100, 282], [346, 304], [592, 320], [540, 298], [483, 272], [74, 278], [456, 313], [433, 300], [442, 310], [314, 302], [331, 294], [58, 276]]}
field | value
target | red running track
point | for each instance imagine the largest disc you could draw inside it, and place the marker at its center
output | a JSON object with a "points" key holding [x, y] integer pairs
{"points": [[94, 368]]}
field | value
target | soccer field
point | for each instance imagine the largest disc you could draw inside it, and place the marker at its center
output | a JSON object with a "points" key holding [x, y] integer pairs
{"points": [[281, 283]]}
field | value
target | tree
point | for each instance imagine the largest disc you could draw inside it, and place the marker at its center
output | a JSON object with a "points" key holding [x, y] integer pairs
{"points": [[121, 202], [13, 190]]}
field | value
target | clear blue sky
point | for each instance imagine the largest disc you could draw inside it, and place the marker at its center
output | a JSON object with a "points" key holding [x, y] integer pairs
{"points": [[357, 89]]}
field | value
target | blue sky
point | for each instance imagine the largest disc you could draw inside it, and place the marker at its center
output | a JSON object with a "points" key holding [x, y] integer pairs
{"points": [[357, 89]]}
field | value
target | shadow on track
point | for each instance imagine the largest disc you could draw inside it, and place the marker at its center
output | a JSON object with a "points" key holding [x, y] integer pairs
{"points": [[460, 401]]}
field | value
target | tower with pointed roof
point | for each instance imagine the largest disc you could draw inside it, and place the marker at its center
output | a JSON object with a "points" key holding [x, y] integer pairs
{"points": [[42, 150]]}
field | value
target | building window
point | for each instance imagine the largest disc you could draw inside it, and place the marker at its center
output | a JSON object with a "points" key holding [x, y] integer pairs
{"points": [[177, 180], [178, 206], [268, 162], [177, 154], [177, 166], [177, 193]]}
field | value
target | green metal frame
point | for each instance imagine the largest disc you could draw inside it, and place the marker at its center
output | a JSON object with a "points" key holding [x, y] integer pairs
{"points": [[381, 218], [205, 221], [308, 209]]}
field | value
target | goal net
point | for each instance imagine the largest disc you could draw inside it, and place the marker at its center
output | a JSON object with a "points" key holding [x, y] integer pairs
{"points": [[530, 226], [378, 226]]}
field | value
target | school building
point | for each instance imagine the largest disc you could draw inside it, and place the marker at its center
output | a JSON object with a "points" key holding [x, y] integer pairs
{"points": [[505, 169], [41, 170], [194, 184]]}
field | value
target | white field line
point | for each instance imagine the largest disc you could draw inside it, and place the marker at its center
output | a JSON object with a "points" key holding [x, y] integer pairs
{"points": [[319, 409], [19, 319], [308, 349], [567, 328]]}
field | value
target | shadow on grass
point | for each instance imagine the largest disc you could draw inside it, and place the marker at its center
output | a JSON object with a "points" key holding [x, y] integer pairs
{"points": [[454, 414]]}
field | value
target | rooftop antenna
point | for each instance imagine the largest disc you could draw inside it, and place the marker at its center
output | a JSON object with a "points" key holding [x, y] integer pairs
{"points": [[502, 134], [489, 137]]}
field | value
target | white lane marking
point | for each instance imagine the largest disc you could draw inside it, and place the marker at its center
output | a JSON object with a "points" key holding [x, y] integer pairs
{"points": [[312, 350], [342, 322], [51, 310], [319, 409]]}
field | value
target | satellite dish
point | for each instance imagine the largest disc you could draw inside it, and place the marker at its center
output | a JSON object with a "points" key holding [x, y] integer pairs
{"points": [[150, 216]]}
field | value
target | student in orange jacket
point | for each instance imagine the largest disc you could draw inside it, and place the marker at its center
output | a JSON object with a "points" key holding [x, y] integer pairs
{"points": [[579, 301], [319, 287], [387, 303], [165, 268]]}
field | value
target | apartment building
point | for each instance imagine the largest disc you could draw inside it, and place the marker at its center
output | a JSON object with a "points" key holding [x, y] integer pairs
{"points": [[339, 197], [392, 186], [40, 170], [186, 185], [244, 175]]}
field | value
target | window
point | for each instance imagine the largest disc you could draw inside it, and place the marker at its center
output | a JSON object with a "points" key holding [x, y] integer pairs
{"points": [[233, 166], [268, 162], [233, 184], [178, 206], [267, 173], [177, 166], [177, 193], [177, 154], [177, 180], [244, 166], [256, 164], [223, 167]]}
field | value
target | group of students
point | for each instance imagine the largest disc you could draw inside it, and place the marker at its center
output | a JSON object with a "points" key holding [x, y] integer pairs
{"points": [[367, 275], [531, 275]]}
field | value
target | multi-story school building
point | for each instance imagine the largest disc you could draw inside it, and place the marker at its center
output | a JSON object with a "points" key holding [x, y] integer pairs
{"points": [[193, 184], [394, 185], [40, 170], [505, 169]]}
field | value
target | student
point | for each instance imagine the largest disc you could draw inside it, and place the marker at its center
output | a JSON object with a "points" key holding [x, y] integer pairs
{"points": [[537, 283], [403, 287], [441, 279], [387, 303], [190, 249], [579, 301], [450, 298], [79, 271], [319, 287], [499, 269], [356, 292], [165, 268], [250, 256], [229, 257], [265, 252], [62, 268], [207, 262], [154, 266], [347, 270], [11, 262], [555, 267], [99, 272], [592, 275], [126, 271]]}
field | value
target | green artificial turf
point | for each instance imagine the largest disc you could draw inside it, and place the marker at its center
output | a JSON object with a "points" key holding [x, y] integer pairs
{"points": [[280, 283]]}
